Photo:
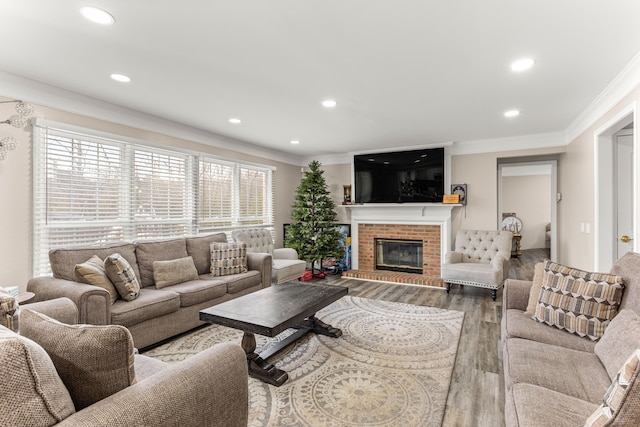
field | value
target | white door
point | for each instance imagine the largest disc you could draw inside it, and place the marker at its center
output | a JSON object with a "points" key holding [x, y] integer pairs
{"points": [[624, 192]]}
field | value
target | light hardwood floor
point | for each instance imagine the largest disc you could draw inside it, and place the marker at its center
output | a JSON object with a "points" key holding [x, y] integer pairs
{"points": [[476, 396]]}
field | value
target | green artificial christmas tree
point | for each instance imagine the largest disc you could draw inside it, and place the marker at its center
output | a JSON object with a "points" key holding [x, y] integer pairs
{"points": [[314, 232]]}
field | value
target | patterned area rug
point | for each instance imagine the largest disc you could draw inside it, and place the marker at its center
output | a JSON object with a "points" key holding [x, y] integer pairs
{"points": [[391, 367]]}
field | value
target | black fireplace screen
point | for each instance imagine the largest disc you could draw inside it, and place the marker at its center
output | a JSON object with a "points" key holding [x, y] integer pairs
{"points": [[399, 255]]}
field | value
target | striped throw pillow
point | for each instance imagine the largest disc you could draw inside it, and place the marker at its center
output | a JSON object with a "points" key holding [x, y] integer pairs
{"points": [[228, 258], [577, 301], [621, 401]]}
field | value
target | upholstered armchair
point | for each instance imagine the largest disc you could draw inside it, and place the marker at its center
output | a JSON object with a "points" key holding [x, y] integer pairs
{"points": [[480, 258], [286, 265]]}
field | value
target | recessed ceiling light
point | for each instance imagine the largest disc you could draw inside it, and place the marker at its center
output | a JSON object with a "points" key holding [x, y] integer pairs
{"points": [[235, 121], [522, 64], [295, 142], [511, 113], [96, 15], [329, 103], [120, 78]]}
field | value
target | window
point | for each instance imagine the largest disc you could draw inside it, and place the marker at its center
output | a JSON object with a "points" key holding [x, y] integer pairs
{"points": [[92, 189]]}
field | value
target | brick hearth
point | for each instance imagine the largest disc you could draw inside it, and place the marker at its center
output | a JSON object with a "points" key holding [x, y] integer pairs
{"points": [[431, 248]]}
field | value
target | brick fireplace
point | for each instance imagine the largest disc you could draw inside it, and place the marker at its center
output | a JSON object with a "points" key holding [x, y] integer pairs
{"points": [[428, 222]]}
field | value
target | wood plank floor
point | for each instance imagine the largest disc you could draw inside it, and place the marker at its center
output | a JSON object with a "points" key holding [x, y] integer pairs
{"points": [[476, 396]]}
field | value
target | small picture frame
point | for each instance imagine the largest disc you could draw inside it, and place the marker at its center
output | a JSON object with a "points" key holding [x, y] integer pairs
{"points": [[347, 194], [460, 189]]}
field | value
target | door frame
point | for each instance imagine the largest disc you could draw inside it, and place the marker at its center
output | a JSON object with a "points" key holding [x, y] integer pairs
{"points": [[604, 237], [553, 194]]}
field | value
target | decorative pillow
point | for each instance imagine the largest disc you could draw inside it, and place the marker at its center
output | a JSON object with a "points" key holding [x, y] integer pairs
{"points": [[228, 258], [534, 294], [577, 301], [167, 273], [32, 392], [93, 361], [92, 272], [121, 274], [620, 403]]}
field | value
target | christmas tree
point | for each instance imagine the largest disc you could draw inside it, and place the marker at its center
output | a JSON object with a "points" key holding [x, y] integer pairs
{"points": [[314, 232]]}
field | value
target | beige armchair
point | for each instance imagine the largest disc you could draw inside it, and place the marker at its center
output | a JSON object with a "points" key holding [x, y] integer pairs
{"points": [[207, 389], [480, 258], [286, 265]]}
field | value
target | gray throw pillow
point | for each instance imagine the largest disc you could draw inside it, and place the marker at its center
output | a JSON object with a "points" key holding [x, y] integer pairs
{"points": [[172, 272], [121, 274]]}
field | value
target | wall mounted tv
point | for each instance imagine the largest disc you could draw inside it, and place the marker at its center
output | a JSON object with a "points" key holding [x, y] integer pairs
{"points": [[415, 176]]}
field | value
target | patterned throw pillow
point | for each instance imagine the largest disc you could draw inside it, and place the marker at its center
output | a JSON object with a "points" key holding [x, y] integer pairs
{"points": [[577, 301], [172, 272], [622, 397], [121, 274], [92, 272], [93, 361], [228, 258]]}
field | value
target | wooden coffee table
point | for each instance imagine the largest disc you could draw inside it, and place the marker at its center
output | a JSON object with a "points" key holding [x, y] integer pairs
{"points": [[271, 311]]}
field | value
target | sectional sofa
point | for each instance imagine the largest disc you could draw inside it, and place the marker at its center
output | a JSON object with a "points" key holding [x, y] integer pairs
{"points": [[164, 305], [556, 378]]}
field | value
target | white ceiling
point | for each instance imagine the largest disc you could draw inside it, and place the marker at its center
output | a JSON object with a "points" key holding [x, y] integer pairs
{"points": [[404, 72]]}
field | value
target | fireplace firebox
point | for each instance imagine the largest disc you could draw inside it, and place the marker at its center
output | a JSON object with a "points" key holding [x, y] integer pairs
{"points": [[399, 255]]}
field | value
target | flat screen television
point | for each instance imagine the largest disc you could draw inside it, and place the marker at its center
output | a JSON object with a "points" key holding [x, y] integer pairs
{"points": [[415, 176]]}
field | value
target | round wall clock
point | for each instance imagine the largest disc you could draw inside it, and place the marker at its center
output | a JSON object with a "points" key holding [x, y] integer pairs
{"points": [[460, 189], [512, 223]]}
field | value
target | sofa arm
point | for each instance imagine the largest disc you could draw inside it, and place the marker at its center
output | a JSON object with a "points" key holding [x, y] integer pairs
{"points": [[285, 253], [61, 309], [207, 389], [452, 257], [263, 263], [93, 302], [516, 294]]}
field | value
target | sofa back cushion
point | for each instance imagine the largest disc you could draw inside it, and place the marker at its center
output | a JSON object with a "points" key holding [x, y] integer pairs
{"points": [[628, 267], [32, 392], [93, 362], [148, 252], [258, 240], [199, 249], [620, 339], [64, 260], [482, 245]]}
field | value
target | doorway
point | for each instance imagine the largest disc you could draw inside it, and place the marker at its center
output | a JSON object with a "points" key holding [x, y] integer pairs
{"points": [[529, 190], [616, 179]]}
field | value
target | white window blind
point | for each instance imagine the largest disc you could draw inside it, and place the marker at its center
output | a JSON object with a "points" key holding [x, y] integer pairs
{"points": [[92, 190]]}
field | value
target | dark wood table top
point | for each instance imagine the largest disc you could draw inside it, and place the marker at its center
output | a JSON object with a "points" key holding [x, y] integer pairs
{"points": [[272, 310]]}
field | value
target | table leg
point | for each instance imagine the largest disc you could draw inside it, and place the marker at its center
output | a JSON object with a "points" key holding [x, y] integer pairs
{"points": [[322, 328], [258, 367]]}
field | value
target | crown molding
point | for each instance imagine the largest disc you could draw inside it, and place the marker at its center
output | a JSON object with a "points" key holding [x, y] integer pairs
{"points": [[625, 82], [512, 143], [35, 92]]}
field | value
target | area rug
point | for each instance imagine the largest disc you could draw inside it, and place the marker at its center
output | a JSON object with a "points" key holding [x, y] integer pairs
{"points": [[391, 367]]}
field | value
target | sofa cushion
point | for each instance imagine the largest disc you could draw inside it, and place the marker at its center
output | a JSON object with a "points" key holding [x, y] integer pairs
{"points": [[92, 272], [529, 405], [534, 294], [63, 260], [621, 338], [32, 392], [228, 258], [151, 303], [287, 269], [242, 281], [574, 373], [121, 274], [148, 252], [472, 272], [519, 324], [200, 249], [174, 271], [621, 403], [577, 301], [196, 291], [93, 361]]}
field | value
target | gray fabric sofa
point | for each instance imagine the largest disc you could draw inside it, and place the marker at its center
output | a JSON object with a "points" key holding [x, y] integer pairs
{"points": [[207, 389], [554, 378], [157, 313]]}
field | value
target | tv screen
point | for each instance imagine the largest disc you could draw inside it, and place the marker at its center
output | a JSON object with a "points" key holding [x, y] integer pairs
{"points": [[400, 177]]}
